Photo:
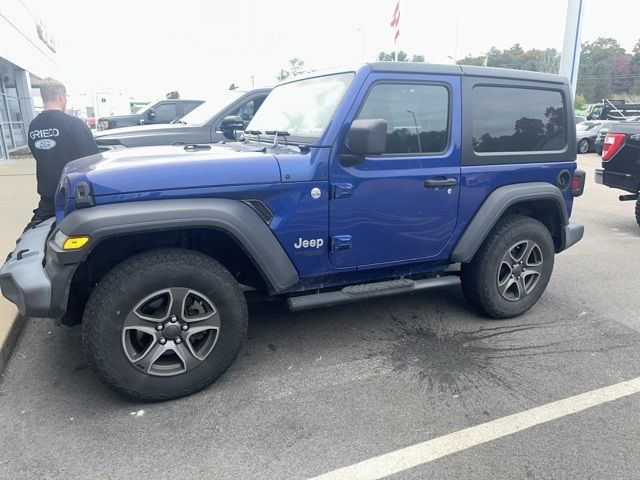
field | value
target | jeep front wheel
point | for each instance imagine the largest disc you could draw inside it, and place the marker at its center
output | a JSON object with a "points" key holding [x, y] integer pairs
{"points": [[512, 268], [164, 324]]}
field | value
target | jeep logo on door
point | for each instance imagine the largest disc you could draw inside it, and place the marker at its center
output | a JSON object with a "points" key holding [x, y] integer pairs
{"points": [[313, 243]]}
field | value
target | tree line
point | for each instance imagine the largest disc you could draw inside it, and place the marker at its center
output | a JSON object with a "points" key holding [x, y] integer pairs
{"points": [[607, 70]]}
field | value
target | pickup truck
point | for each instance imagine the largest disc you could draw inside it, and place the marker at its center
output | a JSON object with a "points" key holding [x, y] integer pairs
{"points": [[621, 162], [164, 111], [350, 184], [216, 120]]}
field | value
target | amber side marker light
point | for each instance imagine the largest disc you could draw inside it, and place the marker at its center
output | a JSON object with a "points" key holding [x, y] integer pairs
{"points": [[70, 243], [73, 243]]}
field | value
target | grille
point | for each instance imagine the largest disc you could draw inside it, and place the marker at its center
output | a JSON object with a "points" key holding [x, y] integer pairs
{"points": [[261, 209]]}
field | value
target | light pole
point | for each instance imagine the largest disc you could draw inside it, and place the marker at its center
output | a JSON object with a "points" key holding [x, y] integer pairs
{"points": [[415, 122]]}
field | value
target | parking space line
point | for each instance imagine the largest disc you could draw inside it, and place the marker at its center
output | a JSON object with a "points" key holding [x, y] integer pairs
{"points": [[424, 452]]}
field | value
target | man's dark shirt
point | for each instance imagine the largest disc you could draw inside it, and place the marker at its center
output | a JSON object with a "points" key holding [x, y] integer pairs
{"points": [[55, 139]]}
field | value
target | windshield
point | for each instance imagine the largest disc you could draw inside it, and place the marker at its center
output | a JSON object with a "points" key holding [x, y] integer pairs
{"points": [[303, 108], [210, 108]]}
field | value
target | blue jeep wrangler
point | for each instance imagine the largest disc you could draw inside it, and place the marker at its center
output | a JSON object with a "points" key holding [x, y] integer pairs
{"points": [[349, 184]]}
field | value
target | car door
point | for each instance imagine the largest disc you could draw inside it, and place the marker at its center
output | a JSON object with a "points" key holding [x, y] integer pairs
{"points": [[400, 206]]}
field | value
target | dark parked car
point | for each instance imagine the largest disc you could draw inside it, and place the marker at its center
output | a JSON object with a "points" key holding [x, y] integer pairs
{"points": [[164, 111], [205, 124], [586, 133], [621, 162], [605, 128]]}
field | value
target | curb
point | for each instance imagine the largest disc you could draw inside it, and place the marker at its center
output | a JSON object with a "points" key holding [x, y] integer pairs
{"points": [[8, 339]]}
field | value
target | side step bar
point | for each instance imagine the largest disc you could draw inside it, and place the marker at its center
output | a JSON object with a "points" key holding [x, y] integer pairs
{"points": [[368, 290], [628, 198]]}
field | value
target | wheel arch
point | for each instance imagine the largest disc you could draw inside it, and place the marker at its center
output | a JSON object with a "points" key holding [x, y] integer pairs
{"points": [[227, 230], [538, 200]]}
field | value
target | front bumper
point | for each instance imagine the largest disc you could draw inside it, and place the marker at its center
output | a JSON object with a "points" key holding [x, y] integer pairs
{"points": [[599, 176], [23, 278]]}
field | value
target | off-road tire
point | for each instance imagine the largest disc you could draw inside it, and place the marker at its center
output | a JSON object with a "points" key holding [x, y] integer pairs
{"points": [[128, 283], [584, 145], [480, 276], [638, 211]]}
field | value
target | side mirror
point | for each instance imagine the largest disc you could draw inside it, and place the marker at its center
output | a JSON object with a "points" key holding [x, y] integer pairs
{"points": [[151, 114], [232, 123], [365, 137]]}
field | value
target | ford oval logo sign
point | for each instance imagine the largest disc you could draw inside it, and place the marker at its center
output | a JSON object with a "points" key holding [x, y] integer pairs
{"points": [[45, 144]]}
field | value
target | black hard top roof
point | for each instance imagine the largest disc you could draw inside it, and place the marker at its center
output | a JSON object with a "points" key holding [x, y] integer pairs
{"points": [[468, 70]]}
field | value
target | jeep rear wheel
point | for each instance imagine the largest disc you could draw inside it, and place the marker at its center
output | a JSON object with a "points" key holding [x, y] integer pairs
{"points": [[512, 268], [164, 324], [638, 211]]}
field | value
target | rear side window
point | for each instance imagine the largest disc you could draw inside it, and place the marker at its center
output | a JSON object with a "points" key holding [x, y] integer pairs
{"points": [[506, 119], [417, 116]]}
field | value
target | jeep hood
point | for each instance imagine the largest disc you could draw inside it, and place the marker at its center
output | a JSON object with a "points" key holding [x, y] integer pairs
{"points": [[167, 168]]}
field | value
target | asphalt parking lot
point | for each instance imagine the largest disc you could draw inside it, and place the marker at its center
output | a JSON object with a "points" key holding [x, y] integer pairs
{"points": [[315, 391]]}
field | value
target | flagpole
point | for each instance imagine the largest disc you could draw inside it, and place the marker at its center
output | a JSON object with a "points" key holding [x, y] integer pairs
{"points": [[395, 20]]}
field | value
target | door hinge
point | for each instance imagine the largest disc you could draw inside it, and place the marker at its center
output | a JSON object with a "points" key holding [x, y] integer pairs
{"points": [[340, 242], [342, 190]]}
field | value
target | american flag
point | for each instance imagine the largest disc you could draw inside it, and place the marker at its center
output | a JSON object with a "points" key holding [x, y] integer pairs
{"points": [[395, 21]]}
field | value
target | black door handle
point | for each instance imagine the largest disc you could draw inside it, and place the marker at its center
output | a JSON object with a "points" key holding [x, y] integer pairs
{"points": [[440, 182]]}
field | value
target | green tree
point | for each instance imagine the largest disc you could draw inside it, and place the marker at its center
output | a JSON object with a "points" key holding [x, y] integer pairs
{"points": [[402, 56], [296, 67], [282, 75], [596, 63]]}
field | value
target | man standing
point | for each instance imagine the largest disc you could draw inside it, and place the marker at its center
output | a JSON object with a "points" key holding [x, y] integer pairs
{"points": [[55, 139]]}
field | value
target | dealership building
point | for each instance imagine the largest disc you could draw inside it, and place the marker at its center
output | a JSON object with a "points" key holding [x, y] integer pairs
{"points": [[27, 55]]}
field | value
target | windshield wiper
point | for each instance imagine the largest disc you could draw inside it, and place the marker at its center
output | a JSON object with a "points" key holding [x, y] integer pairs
{"points": [[255, 133], [276, 134]]}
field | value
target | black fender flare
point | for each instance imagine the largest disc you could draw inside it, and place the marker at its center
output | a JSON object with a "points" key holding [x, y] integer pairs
{"points": [[496, 204], [233, 217]]}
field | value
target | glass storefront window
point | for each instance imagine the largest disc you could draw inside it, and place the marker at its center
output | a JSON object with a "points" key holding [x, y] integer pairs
{"points": [[11, 120], [19, 138], [14, 109], [6, 134], [4, 117]]}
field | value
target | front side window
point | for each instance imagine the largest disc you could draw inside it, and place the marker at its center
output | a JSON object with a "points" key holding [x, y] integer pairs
{"points": [[246, 111], [165, 111], [517, 120], [302, 108], [417, 116]]}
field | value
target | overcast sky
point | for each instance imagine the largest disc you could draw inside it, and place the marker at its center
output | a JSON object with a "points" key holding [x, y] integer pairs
{"points": [[146, 48]]}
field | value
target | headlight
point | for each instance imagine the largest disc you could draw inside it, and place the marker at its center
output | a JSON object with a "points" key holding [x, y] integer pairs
{"points": [[65, 242]]}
